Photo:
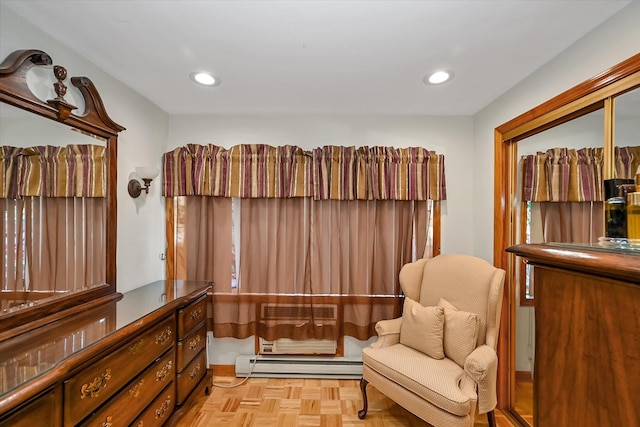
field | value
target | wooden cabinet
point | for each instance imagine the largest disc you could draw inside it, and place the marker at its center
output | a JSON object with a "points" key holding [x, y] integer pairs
{"points": [[160, 409], [143, 359], [587, 320], [131, 401], [92, 386], [192, 337], [190, 346], [189, 378], [45, 407]]}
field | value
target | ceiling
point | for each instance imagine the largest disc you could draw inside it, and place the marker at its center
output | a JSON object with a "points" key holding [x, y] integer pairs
{"points": [[325, 57]]}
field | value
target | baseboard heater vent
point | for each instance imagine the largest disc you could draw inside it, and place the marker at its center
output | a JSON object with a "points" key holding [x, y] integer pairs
{"points": [[298, 367]]}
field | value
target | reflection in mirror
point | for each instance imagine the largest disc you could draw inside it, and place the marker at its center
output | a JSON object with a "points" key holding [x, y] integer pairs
{"points": [[544, 214], [54, 229], [57, 194], [560, 182], [627, 134]]}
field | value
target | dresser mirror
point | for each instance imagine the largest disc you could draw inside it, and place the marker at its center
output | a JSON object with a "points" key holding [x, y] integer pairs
{"points": [[57, 192], [599, 116]]}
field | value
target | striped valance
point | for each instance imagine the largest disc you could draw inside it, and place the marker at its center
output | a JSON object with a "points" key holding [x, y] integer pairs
{"points": [[330, 172], [572, 175], [627, 162], [48, 171]]}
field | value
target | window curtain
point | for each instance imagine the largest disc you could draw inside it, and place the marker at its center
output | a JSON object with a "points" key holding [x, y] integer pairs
{"points": [[300, 250], [330, 172], [563, 175], [54, 214], [627, 162], [331, 225], [568, 185]]}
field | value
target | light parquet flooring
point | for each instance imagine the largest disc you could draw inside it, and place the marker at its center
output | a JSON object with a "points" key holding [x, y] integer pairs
{"points": [[278, 402], [524, 400]]}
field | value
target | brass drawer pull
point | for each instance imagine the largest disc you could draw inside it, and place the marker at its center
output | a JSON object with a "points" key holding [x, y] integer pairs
{"points": [[108, 422], [195, 372], [93, 388], [162, 373], [135, 390], [194, 342], [164, 336], [163, 408], [196, 313], [135, 347]]}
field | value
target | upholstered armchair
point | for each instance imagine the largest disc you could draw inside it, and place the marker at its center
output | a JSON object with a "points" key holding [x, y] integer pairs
{"points": [[439, 359]]}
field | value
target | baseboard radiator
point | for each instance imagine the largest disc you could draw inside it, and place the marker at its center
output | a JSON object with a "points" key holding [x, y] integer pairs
{"points": [[298, 367]]}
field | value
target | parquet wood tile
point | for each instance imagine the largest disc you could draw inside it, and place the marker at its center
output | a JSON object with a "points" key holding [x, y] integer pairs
{"points": [[275, 402]]}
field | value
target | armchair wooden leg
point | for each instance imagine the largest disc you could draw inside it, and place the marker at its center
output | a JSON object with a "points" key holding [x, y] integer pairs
{"points": [[365, 405], [491, 417]]}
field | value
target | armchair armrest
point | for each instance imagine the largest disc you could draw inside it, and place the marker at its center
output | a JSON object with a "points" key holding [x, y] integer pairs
{"points": [[482, 366], [388, 332]]}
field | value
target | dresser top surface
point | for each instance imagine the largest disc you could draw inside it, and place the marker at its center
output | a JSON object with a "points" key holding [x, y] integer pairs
{"points": [[33, 354]]}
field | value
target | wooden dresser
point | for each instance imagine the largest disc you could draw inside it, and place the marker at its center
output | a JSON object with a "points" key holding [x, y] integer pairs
{"points": [[140, 361], [587, 335]]}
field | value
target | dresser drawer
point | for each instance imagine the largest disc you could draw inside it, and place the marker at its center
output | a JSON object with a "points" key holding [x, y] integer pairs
{"points": [[191, 376], [159, 411], [91, 387], [131, 400], [46, 407], [190, 317], [190, 347]]}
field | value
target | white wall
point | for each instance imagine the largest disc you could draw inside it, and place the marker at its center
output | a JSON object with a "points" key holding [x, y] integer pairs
{"points": [[451, 136], [141, 221]]}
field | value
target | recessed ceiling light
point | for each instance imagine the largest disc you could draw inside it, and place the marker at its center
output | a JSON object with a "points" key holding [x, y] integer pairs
{"points": [[438, 77], [204, 78]]}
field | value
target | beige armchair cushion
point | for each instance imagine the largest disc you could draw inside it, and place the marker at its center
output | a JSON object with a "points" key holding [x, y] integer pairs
{"points": [[436, 381], [422, 328], [460, 332]]}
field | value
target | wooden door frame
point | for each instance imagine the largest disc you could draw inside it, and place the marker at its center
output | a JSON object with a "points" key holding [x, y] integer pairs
{"points": [[587, 96]]}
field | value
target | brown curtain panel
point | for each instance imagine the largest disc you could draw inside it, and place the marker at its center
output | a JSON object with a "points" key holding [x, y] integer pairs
{"points": [[571, 222], [66, 242], [53, 244], [301, 251], [13, 265]]}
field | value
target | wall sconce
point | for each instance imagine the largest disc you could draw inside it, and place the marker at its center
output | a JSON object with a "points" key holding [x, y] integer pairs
{"points": [[135, 187]]}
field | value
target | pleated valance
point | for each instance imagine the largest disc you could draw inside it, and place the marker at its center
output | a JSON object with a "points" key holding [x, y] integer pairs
{"points": [[329, 172], [573, 175], [48, 171]]}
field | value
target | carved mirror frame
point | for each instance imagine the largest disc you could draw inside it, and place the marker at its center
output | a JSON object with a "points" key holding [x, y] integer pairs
{"points": [[595, 93], [95, 121]]}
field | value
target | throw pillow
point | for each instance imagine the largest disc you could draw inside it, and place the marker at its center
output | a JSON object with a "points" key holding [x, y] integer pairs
{"points": [[460, 332], [422, 328]]}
